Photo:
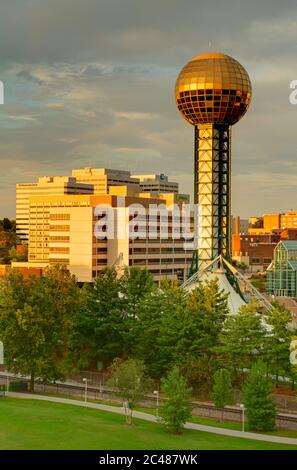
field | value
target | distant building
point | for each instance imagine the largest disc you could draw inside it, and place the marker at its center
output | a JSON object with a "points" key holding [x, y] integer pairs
{"points": [[282, 272], [103, 178], [271, 222], [255, 251], [158, 183], [265, 224], [85, 181], [61, 230], [239, 225], [46, 185], [289, 220]]}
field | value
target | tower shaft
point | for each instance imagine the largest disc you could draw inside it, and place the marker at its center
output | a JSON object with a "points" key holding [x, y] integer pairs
{"points": [[212, 191]]}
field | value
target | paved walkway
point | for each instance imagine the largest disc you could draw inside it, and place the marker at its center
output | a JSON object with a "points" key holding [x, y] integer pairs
{"points": [[152, 418]]}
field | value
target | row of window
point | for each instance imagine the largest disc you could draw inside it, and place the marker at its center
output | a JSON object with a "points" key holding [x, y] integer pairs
{"points": [[165, 261], [60, 228], [60, 216], [59, 249], [258, 261]]}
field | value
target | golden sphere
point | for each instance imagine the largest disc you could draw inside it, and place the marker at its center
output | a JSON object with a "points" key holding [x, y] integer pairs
{"points": [[213, 88]]}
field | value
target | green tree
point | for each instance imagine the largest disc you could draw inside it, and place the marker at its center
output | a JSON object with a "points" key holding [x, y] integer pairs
{"points": [[8, 225], [199, 374], [35, 322], [19, 256], [176, 409], [293, 361], [175, 327], [261, 408], [135, 285], [242, 339], [207, 308], [130, 382], [222, 392], [98, 332], [278, 340], [159, 331]]}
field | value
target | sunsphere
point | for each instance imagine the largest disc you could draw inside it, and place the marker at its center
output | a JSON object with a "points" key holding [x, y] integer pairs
{"points": [[213, 88], [213, 91]]}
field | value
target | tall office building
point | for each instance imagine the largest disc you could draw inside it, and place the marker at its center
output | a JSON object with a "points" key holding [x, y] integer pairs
{"points": [[46, 185], [157, 183], [62, 230], [103, 178], [85, 181]]}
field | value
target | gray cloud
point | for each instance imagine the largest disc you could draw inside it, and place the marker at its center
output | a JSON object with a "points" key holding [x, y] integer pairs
{"points": [[90, 82]]}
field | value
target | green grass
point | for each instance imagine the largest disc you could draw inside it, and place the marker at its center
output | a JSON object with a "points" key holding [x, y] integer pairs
{"points": [[235, 425], [30, 424]]}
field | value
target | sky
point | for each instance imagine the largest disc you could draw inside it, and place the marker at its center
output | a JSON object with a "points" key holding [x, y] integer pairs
{"points": [[91, 83]]}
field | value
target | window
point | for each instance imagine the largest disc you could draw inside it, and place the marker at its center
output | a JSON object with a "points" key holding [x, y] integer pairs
{"points": [[267, 260], [60, 216], [102, 250], [59, 249], [255, 260], [59, 260]]}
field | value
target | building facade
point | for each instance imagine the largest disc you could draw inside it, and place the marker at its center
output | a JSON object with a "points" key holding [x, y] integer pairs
{"points": [[158, 183], [103, 178], [45, 186], [282, 272], [62, 229], [255, 251], [239, 226], [289, 220]]}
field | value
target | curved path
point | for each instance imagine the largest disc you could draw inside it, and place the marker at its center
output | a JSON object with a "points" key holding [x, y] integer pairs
{"points": [[148, 417]]}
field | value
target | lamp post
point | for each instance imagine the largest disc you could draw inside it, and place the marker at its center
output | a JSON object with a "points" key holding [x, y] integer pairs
{"points": [[243, 408], [85, 380], [156, 392]]}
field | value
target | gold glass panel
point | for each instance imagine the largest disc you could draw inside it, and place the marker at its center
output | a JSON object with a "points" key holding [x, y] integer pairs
{"points": [[213, 88]]}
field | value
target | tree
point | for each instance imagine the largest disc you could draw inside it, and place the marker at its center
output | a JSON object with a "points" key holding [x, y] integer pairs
{"points": [[98, 332], [176, 410], [35, 322], [207, 306], [199, 374], [130, 381], [261, 408], [293, 361], [135, 285], [8, 225], [160, 328], [242, 339], [222, 392], [278, 339], [21, 255], [175, 327]]}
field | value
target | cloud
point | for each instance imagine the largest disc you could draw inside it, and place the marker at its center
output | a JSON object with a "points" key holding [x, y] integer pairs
{"points": [[91, 83], [135, 116]]}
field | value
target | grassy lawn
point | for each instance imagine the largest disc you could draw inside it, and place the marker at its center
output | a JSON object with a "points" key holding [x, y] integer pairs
{"points": [[29, 424], [235, 425]]}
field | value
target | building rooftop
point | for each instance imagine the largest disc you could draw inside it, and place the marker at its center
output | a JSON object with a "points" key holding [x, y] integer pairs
{"points": [[289, 244]]}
